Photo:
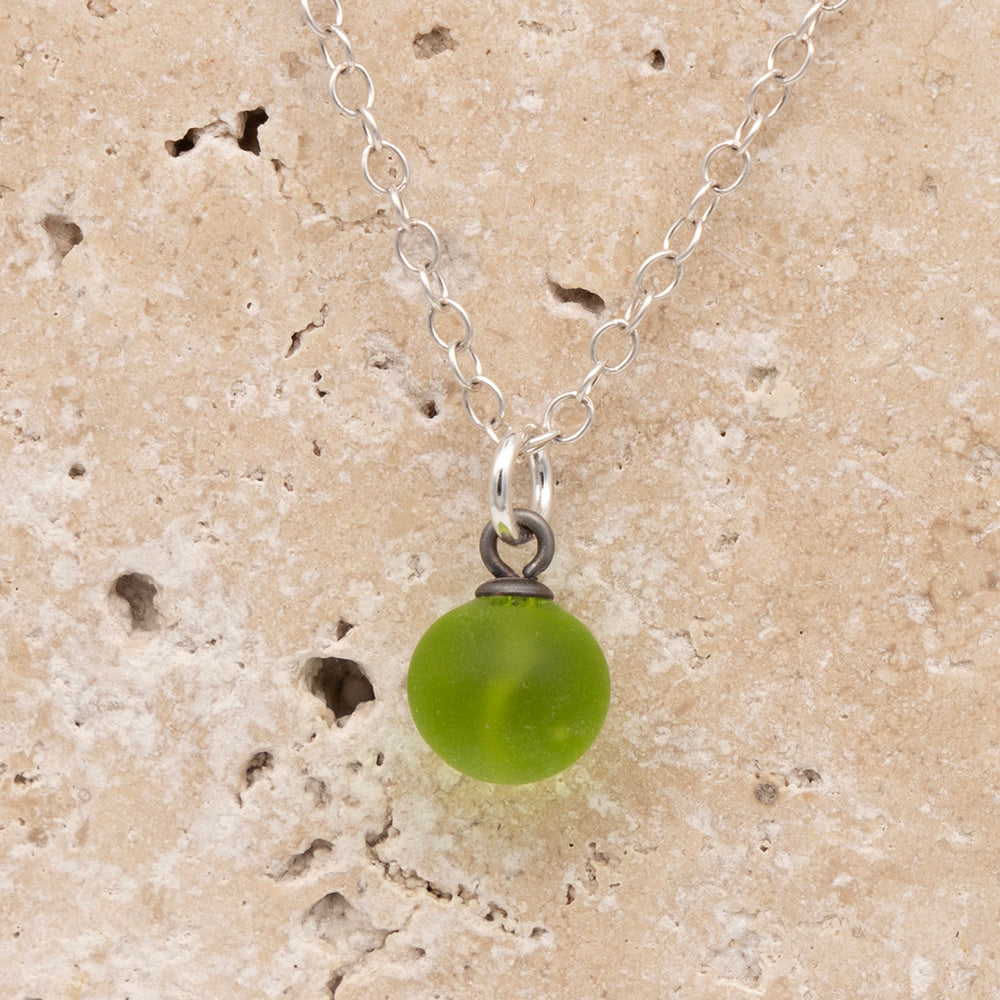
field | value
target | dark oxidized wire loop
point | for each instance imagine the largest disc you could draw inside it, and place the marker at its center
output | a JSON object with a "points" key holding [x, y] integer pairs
{"points": [[507, 582]]}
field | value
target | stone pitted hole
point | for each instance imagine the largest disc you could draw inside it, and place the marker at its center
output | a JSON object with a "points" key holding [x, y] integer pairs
{"points": [[63, 234], [139, 592], [294, 344], [433, 42], [806, 777], [187, 142], [299, 864], [761, 377], [335, 920], [261, 761], [341, 684], [656, 59], [76, 470], [248, 124], [766, 793], [295, 341], [583, 297]]}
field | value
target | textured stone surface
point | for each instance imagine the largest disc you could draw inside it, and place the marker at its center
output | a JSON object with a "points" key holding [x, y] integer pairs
{"points": [[233, 461]]}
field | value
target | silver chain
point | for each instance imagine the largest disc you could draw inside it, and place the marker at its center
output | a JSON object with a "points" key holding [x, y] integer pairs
{"points": [[418, 247]]}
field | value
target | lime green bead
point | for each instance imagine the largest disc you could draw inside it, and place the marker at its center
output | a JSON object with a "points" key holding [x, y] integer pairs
{"points": [[508, 689]]}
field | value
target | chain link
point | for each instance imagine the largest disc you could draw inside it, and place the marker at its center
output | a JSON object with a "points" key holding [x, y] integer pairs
{"points": [[418, 247]]}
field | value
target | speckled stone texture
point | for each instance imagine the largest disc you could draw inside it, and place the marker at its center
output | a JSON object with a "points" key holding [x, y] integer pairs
{"points": [[237, 484]]}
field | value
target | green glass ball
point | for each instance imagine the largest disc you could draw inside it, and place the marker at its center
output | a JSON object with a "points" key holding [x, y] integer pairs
{"points": [[508, 689]]}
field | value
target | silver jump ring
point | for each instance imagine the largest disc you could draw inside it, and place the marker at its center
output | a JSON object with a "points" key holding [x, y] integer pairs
{"points": [[762, 81], [338, 17], [568, 437], [373, 137], [648, 263], [491, 424], [463, 316], [367, 172], [742, 153], [693, 241], [813, 16], [772, 59], [436, 290], [537, 440], [501, 502], [628, 327], [747, 131], [345, 70], [465, 381], [345, 43], [696, 210], [432, 244]]}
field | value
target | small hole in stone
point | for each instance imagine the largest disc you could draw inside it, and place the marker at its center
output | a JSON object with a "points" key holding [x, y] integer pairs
{"points": [[806, 776], [343, 627], [588, 300], [262, 761], [139, 591], [656, 60], [761, 376], [433, 42], [63, 233], [429, 409], [299, 864], [766, 793], [249, 122], [76, 470], [341, 683], [187, 142]]}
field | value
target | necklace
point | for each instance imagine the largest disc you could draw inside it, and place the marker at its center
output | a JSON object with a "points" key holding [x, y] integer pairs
{"points": [[510, 688]]}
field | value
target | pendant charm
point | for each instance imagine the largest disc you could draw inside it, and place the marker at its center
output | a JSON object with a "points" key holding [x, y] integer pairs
{"points": [[509, 688]]}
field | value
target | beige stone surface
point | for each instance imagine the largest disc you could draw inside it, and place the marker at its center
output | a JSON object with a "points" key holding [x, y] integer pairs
{"points": [[229, 449]]}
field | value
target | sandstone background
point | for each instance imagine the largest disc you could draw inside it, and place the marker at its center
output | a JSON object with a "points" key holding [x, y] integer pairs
{"points": [[232, 459]]}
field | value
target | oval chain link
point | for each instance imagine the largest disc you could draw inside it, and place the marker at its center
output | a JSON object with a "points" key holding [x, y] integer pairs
{"points": [[419, 249]]}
